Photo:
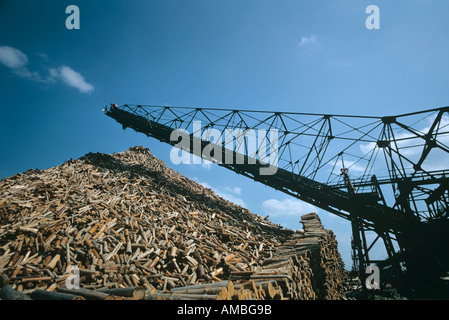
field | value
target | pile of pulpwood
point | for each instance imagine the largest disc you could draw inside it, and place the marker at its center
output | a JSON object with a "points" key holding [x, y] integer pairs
{"points": [[125, 226]]}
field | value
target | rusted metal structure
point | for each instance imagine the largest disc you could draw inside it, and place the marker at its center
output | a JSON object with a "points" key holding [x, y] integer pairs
{"points": [[389, 176]]}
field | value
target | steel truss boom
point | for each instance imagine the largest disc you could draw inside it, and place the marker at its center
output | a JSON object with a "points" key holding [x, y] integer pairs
{"points": [[386, 174]]}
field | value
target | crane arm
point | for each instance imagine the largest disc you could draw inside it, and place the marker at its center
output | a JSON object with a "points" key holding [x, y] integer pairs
{"points": [[162, 122]]}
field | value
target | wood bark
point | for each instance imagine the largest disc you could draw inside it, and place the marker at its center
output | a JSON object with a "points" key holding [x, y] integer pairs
{"points": [[9, 293], [40, 294]]}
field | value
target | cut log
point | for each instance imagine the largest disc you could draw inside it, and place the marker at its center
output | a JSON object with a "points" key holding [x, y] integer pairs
{"points": [[40, 294], [8, 293], [137, 293], [87, 294]]}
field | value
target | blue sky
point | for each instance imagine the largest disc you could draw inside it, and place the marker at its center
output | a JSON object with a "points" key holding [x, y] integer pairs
{"points": [[299, 56]]}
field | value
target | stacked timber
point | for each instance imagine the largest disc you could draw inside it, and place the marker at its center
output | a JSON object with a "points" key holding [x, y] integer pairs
{"points": [[135, 229], [308, 266], [222, 290], [329, 273]]}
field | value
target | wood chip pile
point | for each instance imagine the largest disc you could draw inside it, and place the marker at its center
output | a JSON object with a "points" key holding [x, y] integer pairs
{"points": [[135, 229]]}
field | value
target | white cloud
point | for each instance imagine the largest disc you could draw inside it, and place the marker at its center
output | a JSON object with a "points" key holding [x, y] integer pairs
{"points": [[204, 184], [206, 164], [17, 61], [287, 207], [411, 147], [33, 75], [231, 197], [228, 193], [72, 78], [235, 190], [353, 167], [367, 147], [12, 57], [185, 157], [306, 41]]}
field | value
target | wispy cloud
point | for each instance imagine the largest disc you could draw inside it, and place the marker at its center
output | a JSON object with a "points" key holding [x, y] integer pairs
{"points": [[206, 164], [230, 197], [204, 184], [12, 57], [308, 41], [411, 146], [17, 61], [185, 157], [287, 207], [72, 78], [229, 193], [235, 190], [356, 167]]}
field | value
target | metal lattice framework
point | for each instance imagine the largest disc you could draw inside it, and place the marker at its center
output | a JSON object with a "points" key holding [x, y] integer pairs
{"points": [[387, 174]]}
